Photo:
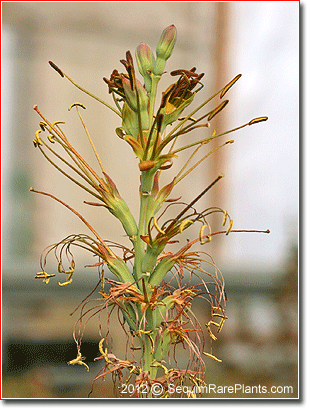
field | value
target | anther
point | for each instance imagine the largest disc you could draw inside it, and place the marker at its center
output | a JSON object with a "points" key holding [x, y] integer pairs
{"points": [[54, 66]]}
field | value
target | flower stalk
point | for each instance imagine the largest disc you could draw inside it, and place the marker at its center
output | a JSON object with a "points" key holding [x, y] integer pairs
{"points": [[147, 288]]}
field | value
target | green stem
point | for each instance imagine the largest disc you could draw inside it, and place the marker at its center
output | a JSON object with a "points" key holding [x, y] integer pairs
{"points": [[149, 346], [155, 80], [139, 245], [146, 185]]}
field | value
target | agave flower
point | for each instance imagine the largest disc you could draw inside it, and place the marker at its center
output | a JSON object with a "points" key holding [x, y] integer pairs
{"points": [[153, 289]]}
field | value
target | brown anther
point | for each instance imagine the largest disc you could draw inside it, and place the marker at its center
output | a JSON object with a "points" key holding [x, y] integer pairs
{"points": [[54, 66]]}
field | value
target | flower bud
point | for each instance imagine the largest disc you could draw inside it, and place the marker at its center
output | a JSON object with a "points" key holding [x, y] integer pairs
{"points": [[130, 121], [120, 269], [131, 96], [145, 62], [164, 48], [162, 268], [131, 99], [166, 42]]}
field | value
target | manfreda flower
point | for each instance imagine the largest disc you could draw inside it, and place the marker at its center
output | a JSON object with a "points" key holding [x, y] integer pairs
{"points": [[153, 292]]}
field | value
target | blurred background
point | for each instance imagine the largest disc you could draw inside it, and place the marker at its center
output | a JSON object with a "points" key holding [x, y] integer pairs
{"points": [[259, 342]]}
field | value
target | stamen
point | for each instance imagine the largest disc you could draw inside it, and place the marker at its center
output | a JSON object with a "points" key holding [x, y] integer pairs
{"points": [[202, 242], [79, 360], [229, 85], [157, 226], [76, 104], [225, 218], [185, 224], [65, 283], [218, 109], [42, 125], [54, 66], [259, 119], [37, 141], [230, 227], [212, 357]]}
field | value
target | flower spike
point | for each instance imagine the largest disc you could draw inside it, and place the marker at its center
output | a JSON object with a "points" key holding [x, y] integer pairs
{"points": [[153, 287]]}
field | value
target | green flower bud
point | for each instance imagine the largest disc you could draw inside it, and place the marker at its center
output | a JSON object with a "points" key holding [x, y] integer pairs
{"points": [[164, 48], [150, 257], [166, 42], [162, 268], [130, 121], [121, 211], [131, 99], [130, 94], [119, 268], [145, 62]]}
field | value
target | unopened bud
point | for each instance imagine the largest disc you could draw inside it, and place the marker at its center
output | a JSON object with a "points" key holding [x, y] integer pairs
{"points": [[145, 62], [131, 96], [164, 48], [166, 42], [130, 121], [135, 105]]}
